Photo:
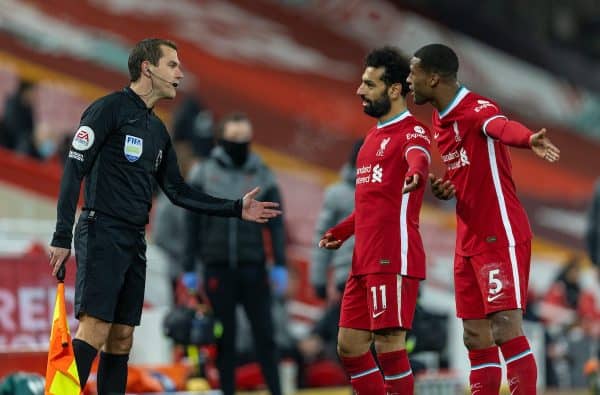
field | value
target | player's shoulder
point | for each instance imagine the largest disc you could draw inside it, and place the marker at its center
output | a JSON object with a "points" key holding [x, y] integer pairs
{"points": [[411, 125], [474, 104], [416, 125]]}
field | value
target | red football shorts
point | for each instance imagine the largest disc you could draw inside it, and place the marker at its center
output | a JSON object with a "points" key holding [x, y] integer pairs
{"points": [[378, 301], [492, 281]]}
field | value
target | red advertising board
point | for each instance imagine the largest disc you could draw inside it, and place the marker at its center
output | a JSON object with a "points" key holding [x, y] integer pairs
{"points": [[27, 296]]}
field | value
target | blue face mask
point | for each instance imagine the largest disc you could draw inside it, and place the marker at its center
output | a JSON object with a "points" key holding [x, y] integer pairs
{"points": [[47, 148]]}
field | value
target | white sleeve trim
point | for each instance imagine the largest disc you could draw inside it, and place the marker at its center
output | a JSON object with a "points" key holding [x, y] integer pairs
{"points": [[419, 148], [488, 121]]}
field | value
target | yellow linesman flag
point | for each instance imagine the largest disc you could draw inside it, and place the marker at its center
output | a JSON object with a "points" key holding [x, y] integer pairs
{"points": [[61, 373]]}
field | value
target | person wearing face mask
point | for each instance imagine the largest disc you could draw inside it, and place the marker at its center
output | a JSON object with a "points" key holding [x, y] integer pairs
{"points": [[232, 254]]}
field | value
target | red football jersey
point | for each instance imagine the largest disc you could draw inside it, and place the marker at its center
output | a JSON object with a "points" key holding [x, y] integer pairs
{"points": [[489, 214], [386, 221]]}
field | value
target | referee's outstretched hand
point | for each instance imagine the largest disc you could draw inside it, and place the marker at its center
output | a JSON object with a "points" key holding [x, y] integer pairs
{"points": [[57, 257], [261, 212]]}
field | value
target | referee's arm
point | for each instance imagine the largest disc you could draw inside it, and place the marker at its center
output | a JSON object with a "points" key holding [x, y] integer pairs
{"points": [[181, 194], [97, 121]]}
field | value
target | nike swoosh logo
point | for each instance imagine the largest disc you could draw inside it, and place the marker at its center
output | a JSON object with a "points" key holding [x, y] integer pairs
{"points": [[375, 315], [436, 135], [492, 298]]}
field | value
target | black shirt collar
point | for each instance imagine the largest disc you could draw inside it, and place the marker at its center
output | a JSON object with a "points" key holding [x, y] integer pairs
{"points": [[136, 99]]}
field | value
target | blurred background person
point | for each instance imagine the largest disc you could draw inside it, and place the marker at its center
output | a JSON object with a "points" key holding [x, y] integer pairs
{"points": [[233, 254], [338, 204], [593, 227], [192, 131], [18, 122], [569, 314]]}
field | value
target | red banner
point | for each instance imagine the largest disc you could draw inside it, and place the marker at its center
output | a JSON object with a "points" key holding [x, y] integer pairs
{"points": [[27, 296]]}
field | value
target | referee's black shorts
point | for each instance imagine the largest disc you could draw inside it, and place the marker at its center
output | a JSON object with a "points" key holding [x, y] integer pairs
{"points": [[111, 268]]}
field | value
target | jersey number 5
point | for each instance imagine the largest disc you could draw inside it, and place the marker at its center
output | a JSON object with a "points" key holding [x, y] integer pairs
{"points": [[495, 283]]}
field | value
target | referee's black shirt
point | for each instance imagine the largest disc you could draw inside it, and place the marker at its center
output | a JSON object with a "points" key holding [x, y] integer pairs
{"points": [[119, 146]]}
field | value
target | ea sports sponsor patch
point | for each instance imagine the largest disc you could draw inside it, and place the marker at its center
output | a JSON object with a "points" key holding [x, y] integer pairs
{"points": [[84, 138], [133, 147]]}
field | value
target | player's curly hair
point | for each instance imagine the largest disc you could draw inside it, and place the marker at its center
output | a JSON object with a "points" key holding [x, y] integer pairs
{"points": [[395, 63], [439, 59]]}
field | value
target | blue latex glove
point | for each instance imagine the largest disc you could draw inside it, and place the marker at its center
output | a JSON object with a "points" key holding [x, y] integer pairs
{"points": [[279, 279], [190, 281]]}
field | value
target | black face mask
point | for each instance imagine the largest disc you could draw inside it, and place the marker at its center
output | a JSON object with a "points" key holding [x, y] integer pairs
{"points": [[238, 152]]}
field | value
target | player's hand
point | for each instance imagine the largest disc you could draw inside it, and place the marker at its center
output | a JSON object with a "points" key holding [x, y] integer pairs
{"points": [[261, 212], [329, 242], [57, 257], [543, 147], [441, 189], [411, 183]]}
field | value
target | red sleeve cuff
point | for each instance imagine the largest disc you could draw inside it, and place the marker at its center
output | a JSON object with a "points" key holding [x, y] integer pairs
{"points": [[508, 132], [418, 159]]}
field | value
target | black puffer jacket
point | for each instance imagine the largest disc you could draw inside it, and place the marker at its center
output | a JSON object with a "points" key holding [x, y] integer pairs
{"points": [[232, 241]]}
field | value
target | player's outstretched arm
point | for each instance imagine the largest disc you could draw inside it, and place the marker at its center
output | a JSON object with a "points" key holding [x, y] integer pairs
{"points": [[255, 211], [329, 242], [335, 237], [443, 190], [543, 147]]}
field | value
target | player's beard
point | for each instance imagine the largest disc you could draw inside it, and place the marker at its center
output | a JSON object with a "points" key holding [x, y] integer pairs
{"points": [[379, 107]]}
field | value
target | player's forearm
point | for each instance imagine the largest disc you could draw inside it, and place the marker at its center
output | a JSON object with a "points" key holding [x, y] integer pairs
{"points": [[508, 132], [344, 229]]}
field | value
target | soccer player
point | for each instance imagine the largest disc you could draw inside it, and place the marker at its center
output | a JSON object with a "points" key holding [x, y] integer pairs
{"points": [[120, 148], [493, 241], [388, 261]]}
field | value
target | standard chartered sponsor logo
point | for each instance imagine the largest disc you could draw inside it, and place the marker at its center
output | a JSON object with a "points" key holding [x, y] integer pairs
{"points": [[377, 173], [450, 157], [464, 158], [364, 174], [461, 155]]}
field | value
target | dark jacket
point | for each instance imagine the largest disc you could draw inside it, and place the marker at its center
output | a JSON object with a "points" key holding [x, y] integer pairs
{"points": [[593, 228], [231, 241]]}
